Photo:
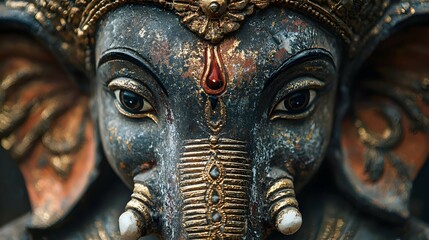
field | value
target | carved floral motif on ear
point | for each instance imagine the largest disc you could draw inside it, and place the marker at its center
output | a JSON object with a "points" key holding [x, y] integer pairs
{"points": [[385, 138], [45, 125]]}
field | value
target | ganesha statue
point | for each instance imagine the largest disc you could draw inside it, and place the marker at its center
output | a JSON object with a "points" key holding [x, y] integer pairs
{"points": [[215, 119]]}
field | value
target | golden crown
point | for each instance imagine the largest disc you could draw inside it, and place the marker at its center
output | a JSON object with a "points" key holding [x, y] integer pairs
{"points": [[75, 20]]}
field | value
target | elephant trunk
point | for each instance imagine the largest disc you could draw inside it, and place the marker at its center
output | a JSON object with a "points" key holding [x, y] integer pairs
{"points": [[214, 183]]}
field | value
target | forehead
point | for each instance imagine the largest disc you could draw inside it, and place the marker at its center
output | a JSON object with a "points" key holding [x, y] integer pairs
{"points": [[263, 42]]}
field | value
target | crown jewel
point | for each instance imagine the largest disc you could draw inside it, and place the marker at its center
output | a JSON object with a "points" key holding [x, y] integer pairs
{"points": [[210, 19]]}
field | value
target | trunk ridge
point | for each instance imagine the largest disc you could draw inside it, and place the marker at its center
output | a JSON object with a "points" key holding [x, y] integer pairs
{"points": [[214, 180]]}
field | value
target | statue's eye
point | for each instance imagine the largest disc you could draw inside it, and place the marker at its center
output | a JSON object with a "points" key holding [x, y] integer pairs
{"points": [[133, 99], [132, 102], [295, 101]]}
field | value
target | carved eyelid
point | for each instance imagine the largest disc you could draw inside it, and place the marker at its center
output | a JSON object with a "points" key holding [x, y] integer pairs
{"points": [[124, 83], [300, 83], [298, 59], [135, 86], [305, 82], [132, 57]]}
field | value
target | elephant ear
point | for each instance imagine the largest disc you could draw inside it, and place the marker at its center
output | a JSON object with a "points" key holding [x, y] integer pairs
{"points": [[46, 127], [385, 135]]}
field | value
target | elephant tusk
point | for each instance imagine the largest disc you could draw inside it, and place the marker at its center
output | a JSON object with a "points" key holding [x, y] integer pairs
{"points": [[130, 225], [289, 221], [136, 221], [284, 207]]}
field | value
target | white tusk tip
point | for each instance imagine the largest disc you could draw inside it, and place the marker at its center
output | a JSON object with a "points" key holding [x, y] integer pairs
{"points": [[130, 225], [289, 221]]}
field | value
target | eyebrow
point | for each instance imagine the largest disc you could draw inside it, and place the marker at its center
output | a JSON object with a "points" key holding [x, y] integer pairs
{"points": [[303, 56], [133, 57]]}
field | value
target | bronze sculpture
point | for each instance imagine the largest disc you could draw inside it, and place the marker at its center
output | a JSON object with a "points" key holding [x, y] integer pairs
{"points": [[215, 113]]}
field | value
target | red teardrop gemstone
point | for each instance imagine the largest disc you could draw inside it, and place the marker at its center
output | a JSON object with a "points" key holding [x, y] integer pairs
{"points": [[214, 79]]}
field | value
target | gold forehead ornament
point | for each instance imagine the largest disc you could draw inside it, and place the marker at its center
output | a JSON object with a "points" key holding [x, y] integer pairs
{"points": [[75, 21]]}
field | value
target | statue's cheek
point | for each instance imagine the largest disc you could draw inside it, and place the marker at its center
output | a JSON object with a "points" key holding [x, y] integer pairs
{"points": [[299, 146], [129, 144], [300, 150]]}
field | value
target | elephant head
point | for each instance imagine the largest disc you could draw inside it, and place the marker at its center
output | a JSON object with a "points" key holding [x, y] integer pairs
{"points": [[225, 128], [215, 112]]}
